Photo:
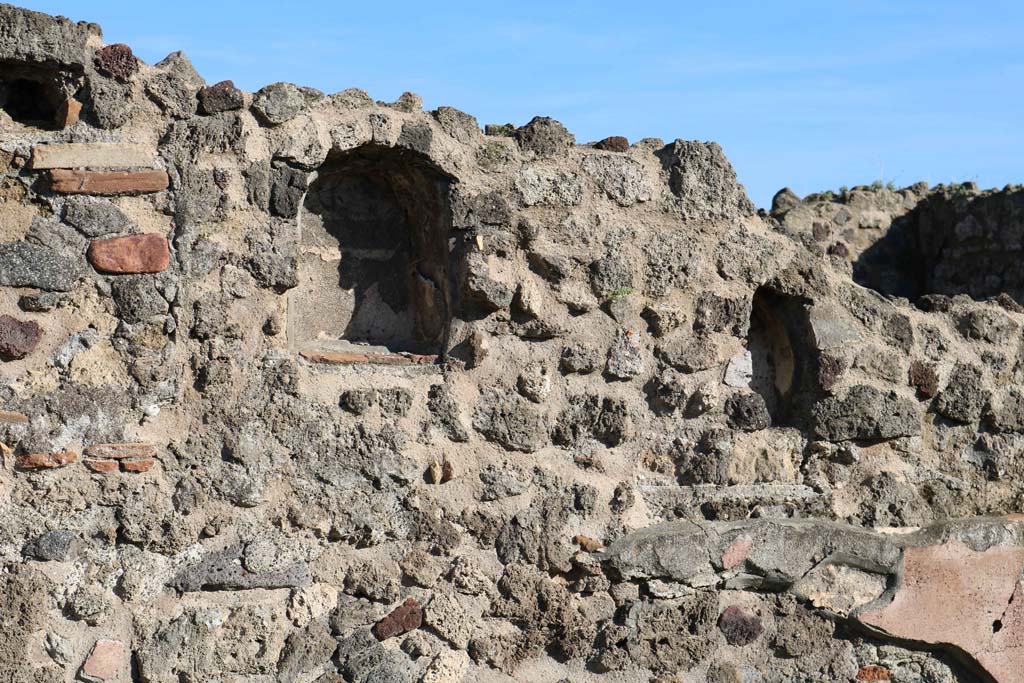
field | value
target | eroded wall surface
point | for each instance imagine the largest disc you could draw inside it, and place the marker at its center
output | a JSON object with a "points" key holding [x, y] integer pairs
{"points": [[307, 387]]}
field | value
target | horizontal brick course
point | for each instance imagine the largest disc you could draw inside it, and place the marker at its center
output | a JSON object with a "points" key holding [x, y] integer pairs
{"points": [[45, 461], [101, 466], [92, 155], [120, 451], [137, 466], [107, 183]]}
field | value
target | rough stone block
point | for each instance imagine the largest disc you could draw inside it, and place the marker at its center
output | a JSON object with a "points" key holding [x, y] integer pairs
{"points": [[18, 338]]}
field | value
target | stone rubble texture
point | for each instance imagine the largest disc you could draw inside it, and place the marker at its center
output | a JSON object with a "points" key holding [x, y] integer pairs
{"points": [[363, 392]]}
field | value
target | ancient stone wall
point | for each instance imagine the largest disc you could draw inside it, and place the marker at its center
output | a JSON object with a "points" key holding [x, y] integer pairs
{"points": [[307, 387]]}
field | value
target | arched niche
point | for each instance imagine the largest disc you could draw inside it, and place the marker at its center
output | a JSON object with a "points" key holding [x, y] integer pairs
{"points": [[773, 363], [374, 255]]}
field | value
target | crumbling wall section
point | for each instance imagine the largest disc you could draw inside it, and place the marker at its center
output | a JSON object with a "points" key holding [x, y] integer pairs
{"points": [[307, 387]]}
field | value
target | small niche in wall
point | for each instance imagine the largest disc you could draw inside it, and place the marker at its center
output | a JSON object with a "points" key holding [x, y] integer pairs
{"points": [[29, 95], [773, 362], [374, 256]]}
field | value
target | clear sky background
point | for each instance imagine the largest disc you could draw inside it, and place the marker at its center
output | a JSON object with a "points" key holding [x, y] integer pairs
{"points": [[809, 94]]}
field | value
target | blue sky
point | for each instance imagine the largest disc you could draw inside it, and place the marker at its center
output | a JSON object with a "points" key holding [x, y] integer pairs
{"points": [[813, 95]]}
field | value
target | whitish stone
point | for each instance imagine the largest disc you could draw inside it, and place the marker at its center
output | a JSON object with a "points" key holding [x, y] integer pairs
{"points": [[93, 155], [740, 370]]}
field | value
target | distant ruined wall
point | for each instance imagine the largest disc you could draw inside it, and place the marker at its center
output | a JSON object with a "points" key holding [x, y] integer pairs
{"points": [[307, 387]]}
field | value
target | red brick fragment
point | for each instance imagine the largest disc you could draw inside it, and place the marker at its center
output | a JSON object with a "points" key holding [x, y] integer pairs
{"points": [[406, 617], [117, 60], [148, 253], [107, 183], [18, 338], [137, 466], [120, 451], [45, 461], [101, 466], [67, 113], [873, 672]]}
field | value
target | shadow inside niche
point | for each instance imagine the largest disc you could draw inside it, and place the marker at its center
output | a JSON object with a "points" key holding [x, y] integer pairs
{"points": [[374, 261], [30, 95], [951, 243]]}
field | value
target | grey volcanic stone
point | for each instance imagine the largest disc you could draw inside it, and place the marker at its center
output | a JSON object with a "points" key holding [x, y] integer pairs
{"points": [[175, 85], [29, 265], [747, 412], [18, 338], [223, 96], [224, 570], [865, 413], [137, 298], [964, 397], [444, 412], [511, 421], [95, 217], [625, 357], [278, 102], [704, 181], [51, 546], [33, 37], [545, 137]]}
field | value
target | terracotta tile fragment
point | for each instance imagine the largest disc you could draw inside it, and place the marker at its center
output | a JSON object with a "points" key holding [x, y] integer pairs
{"points": [[591, 545], [137, 466], [972, 600], [107, 183], [873, 672], [45, 461], [101, 466], [93, 155], [67, 113]]}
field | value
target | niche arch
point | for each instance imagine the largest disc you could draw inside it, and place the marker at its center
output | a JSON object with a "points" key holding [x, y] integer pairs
{"points": [[32, 95], [374, 256], [787, 368]]}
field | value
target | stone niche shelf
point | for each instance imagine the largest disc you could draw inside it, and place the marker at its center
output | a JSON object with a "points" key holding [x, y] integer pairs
{"points": [[366, 357]]}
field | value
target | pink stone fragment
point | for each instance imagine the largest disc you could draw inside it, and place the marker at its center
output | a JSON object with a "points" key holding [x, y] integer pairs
{"points": [[736, 552], [971, 600], [105, 660]]}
